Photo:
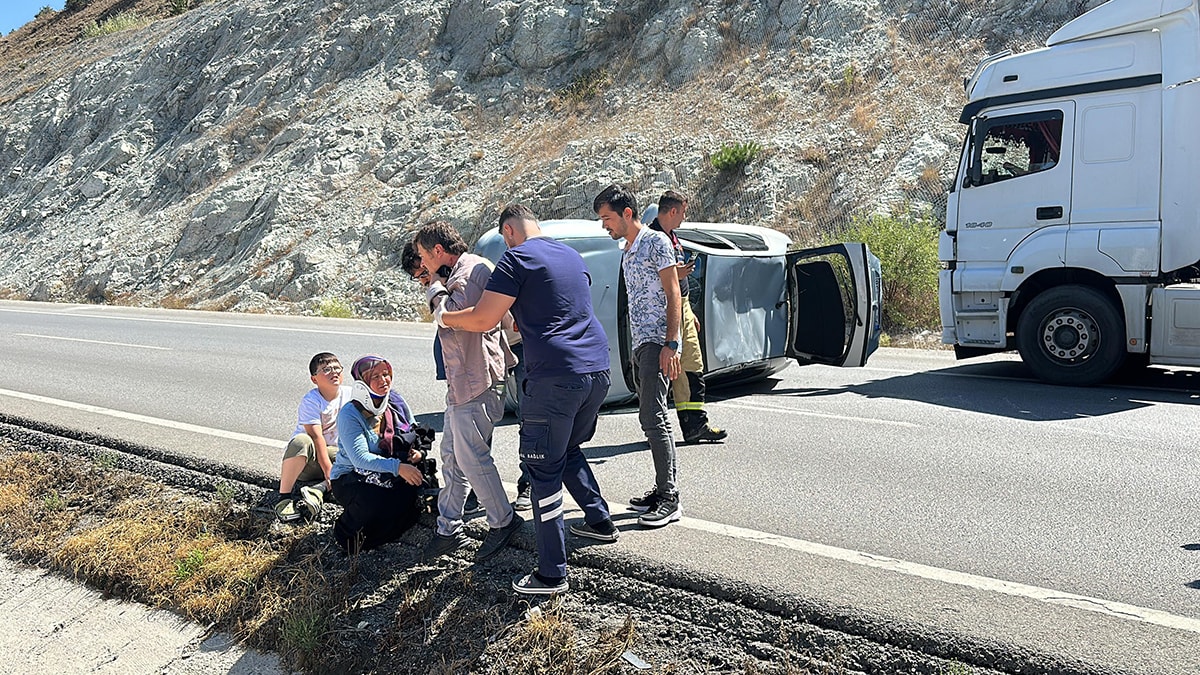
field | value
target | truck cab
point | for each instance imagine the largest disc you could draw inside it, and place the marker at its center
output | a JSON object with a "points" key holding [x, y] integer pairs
{"points": [[1072, 230]]}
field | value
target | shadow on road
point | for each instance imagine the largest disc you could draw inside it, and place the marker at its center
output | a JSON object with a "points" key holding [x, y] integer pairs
{"points": [[1005, 389]]}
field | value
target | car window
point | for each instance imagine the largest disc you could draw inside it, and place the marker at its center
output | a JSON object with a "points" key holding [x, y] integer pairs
{"points": [[746, 242], [702, 238]]}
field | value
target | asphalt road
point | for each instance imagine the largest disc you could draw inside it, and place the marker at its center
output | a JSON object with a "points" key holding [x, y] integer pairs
{"points": [[965, 467]]}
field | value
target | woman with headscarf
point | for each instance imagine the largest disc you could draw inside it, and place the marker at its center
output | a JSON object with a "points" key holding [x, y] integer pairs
{"points": [[374, 475]]}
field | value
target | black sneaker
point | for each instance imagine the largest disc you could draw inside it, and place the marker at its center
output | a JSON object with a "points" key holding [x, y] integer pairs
{"points": [[707, 434], [497, 538], [524, 500], [666, 511], [601, 531], [440, 545], [646, 502], [534, 584], [472, 506]]}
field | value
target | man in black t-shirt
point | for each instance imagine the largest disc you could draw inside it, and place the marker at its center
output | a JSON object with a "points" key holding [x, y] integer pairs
{"points": [[546, 285]]}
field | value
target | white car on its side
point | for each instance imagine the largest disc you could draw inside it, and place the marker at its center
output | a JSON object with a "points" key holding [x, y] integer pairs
{"points": [[760, 305]]}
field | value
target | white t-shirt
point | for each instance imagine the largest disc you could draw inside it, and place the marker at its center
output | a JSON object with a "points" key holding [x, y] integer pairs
{"points": [[314, 409]]}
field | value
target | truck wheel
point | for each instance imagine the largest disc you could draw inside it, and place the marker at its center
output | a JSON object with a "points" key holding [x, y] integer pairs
{"points": [[1071, 335]]}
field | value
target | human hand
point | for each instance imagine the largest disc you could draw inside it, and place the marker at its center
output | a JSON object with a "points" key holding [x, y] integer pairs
{"points": [[409, 474], [437, 315], [682, 270], [415, 456], [668, 362]]}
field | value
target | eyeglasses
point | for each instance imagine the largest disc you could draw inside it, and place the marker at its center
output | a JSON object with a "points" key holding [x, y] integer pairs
{"points": [[419, 274], [331, 370]]}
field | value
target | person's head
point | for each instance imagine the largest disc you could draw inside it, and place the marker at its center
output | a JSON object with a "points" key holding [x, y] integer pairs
{"points": [[518, 223], [325, 371], [618, 211], [410, 260], [438, 243], [672, 209], [375, 372]]}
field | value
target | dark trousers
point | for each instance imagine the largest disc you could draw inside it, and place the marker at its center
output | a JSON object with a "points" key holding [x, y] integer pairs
{"points": [[558, 414], [372, 515]]}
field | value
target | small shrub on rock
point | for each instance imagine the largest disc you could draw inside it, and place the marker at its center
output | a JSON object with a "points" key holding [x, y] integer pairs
{"points": [[733, 156], [114, 24], [335, 308]]}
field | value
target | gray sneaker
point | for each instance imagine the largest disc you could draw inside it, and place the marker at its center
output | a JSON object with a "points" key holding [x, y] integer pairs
{"points": [[666, 511], [311, 500], [440, 545], [285, 510], [497, 538], [601, 531], [532, 584]]}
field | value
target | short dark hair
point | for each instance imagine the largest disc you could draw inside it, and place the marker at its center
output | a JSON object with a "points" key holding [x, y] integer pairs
{"points": [[410, 260], [514, 210], [320, 361], [618, 199], [443, 233], [670, 199]]}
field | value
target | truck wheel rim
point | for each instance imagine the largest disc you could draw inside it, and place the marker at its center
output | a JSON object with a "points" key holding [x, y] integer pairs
{"points": [[1070, 334]]}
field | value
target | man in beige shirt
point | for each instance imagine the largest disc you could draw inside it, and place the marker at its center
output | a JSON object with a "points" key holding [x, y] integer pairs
{"points": [[476, 364]]}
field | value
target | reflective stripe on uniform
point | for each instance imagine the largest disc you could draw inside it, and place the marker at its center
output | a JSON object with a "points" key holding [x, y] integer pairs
{"points": [[689, 405]]}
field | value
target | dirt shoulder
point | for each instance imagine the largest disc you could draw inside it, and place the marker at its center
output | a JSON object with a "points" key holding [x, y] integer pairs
{"points": [[195, 539]]}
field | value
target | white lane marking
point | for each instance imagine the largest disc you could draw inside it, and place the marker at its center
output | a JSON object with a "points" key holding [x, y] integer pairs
{"points": [[94, 342], [1111, 608], [221, 325], [808, 413], [145, 419]]}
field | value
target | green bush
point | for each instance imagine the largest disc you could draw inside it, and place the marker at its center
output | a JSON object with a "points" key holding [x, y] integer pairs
{"points": [[906, 245], [45, 12], [114, 24], [733, 156], [180, 6], [75, 5], [335, 308]]}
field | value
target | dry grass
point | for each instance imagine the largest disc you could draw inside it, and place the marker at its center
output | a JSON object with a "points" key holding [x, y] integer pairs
{"points": [[211, 560], [550, 643]]}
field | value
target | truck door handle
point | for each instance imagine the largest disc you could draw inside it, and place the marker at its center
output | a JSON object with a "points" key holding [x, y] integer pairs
{"points": [[1049, 212]]}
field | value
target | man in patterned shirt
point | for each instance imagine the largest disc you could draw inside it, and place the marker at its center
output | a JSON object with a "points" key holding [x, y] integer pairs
{"points": [[652, 286]]}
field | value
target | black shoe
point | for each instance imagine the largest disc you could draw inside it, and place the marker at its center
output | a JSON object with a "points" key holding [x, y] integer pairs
{"points": [[601, 531], [524, 500], [535, 584], [441, 545], [646, 502], [707, 434], [497, 538], [472, 506], [666, 511]]}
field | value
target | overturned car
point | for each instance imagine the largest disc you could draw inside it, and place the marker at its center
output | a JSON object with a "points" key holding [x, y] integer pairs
{"points": [[760, 305]]}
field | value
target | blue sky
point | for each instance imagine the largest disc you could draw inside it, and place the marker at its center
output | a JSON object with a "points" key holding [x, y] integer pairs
{"points": [[17, 13]]}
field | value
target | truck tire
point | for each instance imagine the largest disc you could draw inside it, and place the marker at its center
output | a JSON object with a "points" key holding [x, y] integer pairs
{"points": [[1072, 335]]}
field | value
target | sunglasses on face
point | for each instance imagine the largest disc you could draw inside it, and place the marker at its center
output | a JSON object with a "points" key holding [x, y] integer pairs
{"points": [[420, 274]]}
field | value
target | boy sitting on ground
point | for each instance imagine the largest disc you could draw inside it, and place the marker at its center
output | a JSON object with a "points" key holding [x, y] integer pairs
{"points": [[309, 456]]}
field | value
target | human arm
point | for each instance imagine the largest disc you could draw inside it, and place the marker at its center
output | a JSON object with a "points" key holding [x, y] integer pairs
{"points": [[484, 316], [668, 359], [354, 440]]}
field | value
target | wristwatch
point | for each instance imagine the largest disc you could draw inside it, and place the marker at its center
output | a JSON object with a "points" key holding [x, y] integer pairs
{"points": [[673, 345]]}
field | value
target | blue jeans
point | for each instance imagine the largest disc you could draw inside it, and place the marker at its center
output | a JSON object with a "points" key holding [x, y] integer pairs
{"points": [[558, 414]]}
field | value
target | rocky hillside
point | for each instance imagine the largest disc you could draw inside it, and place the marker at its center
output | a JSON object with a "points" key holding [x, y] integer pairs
{"points": [[264, 155]]}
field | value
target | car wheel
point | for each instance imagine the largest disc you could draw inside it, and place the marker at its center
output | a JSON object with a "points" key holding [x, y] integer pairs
{"points": [[1072, 335]]}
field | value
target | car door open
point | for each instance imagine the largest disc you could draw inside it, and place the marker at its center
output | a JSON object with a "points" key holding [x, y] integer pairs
{"points": [[833, 301]]}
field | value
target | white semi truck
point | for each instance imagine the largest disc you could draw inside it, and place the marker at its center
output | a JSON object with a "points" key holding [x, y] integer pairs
{"points": [[1073, 225]]}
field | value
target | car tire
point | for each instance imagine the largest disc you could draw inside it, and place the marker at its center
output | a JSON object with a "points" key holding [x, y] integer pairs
{"points": [[1072, 335]]}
